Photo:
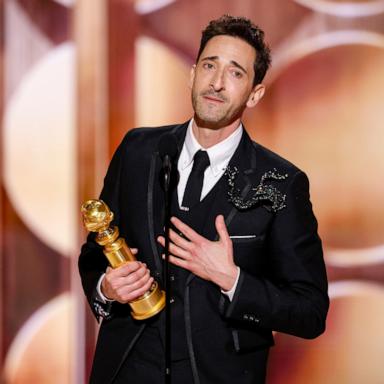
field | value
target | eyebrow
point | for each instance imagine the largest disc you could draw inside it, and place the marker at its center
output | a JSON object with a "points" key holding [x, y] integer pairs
{"points": [[235, 63]]}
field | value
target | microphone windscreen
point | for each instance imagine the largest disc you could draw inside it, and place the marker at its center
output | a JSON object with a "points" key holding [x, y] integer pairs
{"points": [[168, 145]]}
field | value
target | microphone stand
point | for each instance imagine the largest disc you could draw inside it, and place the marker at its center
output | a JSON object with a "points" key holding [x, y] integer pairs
{"points": [[167, 165]]}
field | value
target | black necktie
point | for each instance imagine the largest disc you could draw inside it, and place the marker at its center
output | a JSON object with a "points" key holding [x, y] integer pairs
{"points": [[194, 186]]}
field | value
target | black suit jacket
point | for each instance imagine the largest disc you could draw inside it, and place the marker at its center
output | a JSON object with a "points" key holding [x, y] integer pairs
{"points": [[282, 284]]}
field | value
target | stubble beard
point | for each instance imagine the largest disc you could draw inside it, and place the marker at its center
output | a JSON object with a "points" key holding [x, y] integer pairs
{"points": [[211, 116]]}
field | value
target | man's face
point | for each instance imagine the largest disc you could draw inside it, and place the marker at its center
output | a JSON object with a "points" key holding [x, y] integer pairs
{"points": [[222, 82]]}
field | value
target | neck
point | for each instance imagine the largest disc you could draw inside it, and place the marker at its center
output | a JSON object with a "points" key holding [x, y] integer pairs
{"points": [[208, 136]]}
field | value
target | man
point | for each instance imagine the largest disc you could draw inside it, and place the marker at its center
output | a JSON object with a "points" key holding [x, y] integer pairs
{"points": [[246, 257]]}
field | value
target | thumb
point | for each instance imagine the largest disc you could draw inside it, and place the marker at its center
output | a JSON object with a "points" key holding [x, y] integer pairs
{"points": [[222, 229]]}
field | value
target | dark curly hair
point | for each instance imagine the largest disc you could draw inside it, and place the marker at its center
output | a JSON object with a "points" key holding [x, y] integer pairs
{"points": [[244, 29]]}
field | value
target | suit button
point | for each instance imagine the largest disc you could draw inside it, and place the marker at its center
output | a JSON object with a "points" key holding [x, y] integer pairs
{"points": [[251, 318], [245, 317], [257, 320], [171, 300]]}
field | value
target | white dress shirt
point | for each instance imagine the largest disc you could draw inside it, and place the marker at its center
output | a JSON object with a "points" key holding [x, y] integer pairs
{"points": [[219, 156]]}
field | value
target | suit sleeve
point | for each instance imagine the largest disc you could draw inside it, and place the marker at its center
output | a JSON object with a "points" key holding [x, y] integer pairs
{"points": [[291, 297], [92, 263]]}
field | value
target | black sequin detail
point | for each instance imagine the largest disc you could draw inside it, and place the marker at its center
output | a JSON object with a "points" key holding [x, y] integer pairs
{"points": [[265, 194], [101, 310]]}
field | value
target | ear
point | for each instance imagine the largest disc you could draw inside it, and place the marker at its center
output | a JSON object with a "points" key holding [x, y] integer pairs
{"points": [[256, 95], [192, 75]]}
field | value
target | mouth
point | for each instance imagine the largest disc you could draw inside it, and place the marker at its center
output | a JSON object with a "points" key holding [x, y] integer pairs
{"points": [[213, 99]]}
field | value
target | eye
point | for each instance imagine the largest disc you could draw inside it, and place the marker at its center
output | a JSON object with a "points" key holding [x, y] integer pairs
{"points": [[207, 65], [236, 73]]}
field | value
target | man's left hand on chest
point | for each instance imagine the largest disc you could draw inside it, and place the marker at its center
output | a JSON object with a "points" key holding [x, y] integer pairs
{"points": [[210, 260]]}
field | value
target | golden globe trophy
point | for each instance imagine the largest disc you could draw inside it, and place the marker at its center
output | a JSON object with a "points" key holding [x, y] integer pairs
{"points": [[97, 218]]}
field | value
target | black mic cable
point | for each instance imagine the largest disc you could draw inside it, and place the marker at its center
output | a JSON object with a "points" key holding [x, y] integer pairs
{"points": [[168, 151]]}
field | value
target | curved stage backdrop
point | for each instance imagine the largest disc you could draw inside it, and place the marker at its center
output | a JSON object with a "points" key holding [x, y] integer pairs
{"points": [[76, 75]]}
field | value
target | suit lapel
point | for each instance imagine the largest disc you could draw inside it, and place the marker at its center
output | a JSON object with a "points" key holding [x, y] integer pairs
{"points": [[244, 160], [155, 195]]}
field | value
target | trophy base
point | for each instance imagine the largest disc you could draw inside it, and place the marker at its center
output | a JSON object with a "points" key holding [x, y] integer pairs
{"points": [[148, 305]]}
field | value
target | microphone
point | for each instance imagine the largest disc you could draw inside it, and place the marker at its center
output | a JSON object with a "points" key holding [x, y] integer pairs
{"points": [[168, 151]]}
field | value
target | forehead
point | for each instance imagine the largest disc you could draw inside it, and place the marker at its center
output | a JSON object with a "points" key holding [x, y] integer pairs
{"points": [[229, 48]]}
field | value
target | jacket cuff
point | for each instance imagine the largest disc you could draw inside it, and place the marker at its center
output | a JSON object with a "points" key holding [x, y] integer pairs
{"points": [[241, 307], [101, 309]]}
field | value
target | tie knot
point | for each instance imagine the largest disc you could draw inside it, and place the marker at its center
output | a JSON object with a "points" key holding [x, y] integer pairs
{"points": [[200, 160]]}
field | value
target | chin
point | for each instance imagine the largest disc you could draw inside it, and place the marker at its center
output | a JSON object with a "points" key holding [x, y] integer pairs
{"points": [[211, 122]]}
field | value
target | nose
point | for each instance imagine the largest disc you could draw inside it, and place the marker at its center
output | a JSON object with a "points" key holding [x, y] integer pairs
{"points": [[217, 82]]}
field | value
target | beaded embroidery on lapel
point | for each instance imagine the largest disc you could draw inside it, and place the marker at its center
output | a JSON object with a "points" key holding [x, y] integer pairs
{"points": [[266, 194]]}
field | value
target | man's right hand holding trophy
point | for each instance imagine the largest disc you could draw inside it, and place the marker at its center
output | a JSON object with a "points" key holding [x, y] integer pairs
{"points": [[126, 280]]}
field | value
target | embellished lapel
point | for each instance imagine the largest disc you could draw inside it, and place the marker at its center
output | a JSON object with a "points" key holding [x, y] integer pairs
{"points": [[243, 159]]}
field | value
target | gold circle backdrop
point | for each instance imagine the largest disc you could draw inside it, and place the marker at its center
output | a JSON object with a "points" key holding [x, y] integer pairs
{"points": [[324, 112], [345, 8]]}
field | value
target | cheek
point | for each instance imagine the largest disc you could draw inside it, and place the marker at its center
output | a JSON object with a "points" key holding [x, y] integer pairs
{"points": [[201, 78], [240, 90], [239, 98]]}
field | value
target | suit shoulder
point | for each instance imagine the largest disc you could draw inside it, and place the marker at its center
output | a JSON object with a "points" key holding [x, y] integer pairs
{"points": [[267, 160], [273, 160], [148, 135]]}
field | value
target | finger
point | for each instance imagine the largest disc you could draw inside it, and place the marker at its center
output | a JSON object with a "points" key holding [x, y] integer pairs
{"points": [[221, 229], [120, 285], [133, 281], [187, 231], [133, 295], [174, 249], [136, 276], [138, 279], [134, 251], [161, 240], [127, 268], [134, 291], [118, 277], [179, 240], [179, 262]]}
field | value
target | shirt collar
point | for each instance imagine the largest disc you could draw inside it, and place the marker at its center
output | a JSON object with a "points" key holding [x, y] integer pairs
{"points": [[219, 154]]}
